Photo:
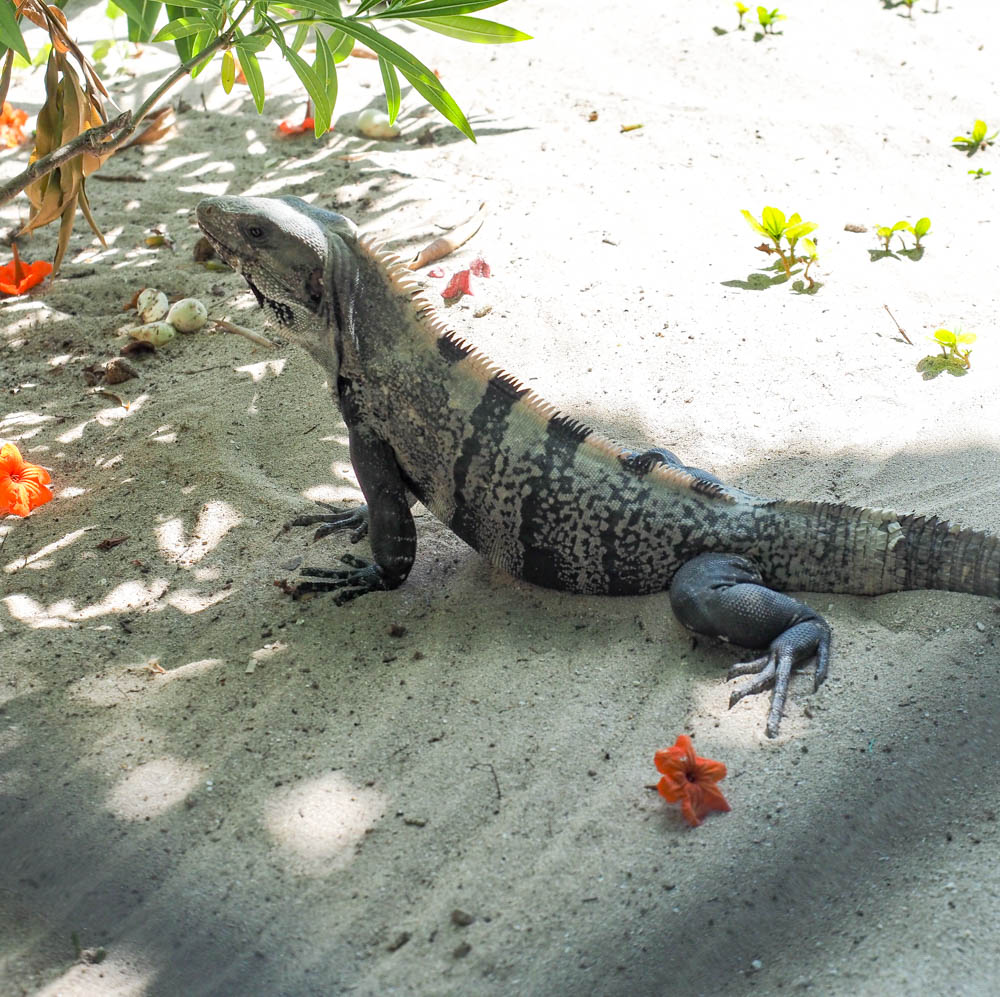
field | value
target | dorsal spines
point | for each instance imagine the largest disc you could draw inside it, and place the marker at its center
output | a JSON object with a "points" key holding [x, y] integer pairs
{"points": [[456, 349]]}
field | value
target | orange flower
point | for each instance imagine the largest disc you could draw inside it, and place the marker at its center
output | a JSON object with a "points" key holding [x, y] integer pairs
{"points": [[690, 780], [23, 486], [12, 121], [16, 277]]}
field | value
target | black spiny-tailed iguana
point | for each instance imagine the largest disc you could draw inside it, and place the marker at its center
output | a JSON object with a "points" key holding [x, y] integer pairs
{"points": [[538, 493]]}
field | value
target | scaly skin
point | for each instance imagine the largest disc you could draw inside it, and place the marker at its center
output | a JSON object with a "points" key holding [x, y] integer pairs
{"points": [[541, 495]]}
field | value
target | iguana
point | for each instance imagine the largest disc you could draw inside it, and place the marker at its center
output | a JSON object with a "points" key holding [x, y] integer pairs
{"points": [[538, 493]]}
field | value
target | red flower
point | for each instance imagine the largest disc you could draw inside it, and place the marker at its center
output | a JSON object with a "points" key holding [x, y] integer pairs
{"points": [[23, 486], [307, 125], [12, 121], [16, 277], [690, 780]]}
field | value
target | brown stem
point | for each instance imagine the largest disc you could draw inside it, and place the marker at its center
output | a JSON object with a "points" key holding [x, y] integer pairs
{"points": [[902, 331]]}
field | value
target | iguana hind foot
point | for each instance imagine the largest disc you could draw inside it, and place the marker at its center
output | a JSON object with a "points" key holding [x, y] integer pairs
{"points": [[724, 596]]}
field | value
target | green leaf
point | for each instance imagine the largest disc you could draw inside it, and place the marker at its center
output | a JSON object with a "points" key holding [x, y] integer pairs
{"points": [[198, 44], [142, 16], [183, 46], [301, 34], [433, 8], [922, 227], [423, 79], [472, 29], [211, 5], [254, 43], [810, 247], [754, 224], [966, 337], [326, 70], [341, 45], [774, 222], [391, 83], [945, 336], [978, 131], [251, 70], [10, 33], [315, 87], [181, 27], [795, 232], [902, 227]]}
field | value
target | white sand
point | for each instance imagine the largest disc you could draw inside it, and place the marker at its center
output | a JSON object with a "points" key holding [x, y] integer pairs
{"points": [[223, 830]]}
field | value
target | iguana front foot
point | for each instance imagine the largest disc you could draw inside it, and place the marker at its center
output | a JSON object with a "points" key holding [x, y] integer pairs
{"points": [[723, 595], [360, 578], [334, 521]]}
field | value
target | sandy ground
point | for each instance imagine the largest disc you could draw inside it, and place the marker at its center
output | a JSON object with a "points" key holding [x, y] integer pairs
{"points": [[303, 797]]}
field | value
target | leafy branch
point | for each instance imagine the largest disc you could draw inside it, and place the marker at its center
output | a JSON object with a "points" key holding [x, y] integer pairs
{"points": [[74, 135]]}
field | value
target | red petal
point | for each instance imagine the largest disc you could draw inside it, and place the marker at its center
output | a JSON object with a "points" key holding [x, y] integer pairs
{"points": [[35, 474], [479, 267], [705, 770], [671, 791], [458, 285], [11, 460], [690, 815]]}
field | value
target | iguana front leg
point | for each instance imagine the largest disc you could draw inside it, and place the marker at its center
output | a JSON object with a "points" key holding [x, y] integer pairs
{"points": [[723, 595], [390, 525]]}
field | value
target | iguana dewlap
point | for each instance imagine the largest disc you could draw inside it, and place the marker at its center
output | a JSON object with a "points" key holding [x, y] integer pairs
{"points": [[538, 493]]}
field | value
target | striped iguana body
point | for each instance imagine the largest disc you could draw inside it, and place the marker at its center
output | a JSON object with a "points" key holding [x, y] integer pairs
{"points": [[539, 494]]}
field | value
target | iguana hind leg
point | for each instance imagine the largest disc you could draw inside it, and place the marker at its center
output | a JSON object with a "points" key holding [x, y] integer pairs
{"points": [[724, 595], [390, 526]]}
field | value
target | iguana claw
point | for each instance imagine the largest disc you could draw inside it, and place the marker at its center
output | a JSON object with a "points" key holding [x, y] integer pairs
{"points": [[334, 521], [349, 583]]}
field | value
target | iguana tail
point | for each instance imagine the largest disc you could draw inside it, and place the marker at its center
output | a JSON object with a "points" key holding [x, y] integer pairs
{"points": [[828, 547]]}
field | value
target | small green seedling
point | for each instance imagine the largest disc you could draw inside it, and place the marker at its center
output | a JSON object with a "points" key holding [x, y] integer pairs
{"points": [[909, 7], [976, 139], [768, 18], [811, 256], [785, 233], [741, 9], [952, 357], [980, 173], [918, 230]]}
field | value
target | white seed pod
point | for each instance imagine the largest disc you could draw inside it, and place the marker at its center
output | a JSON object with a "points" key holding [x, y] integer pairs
{"points": [[151, 305], [187, 315], [154, 333], [373, 123]]}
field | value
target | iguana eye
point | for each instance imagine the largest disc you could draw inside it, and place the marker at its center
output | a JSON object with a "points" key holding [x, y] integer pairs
{"points": [[255, 231]]}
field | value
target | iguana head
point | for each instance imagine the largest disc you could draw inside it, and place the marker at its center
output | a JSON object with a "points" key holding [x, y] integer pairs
{"points": [[299, 260]]}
